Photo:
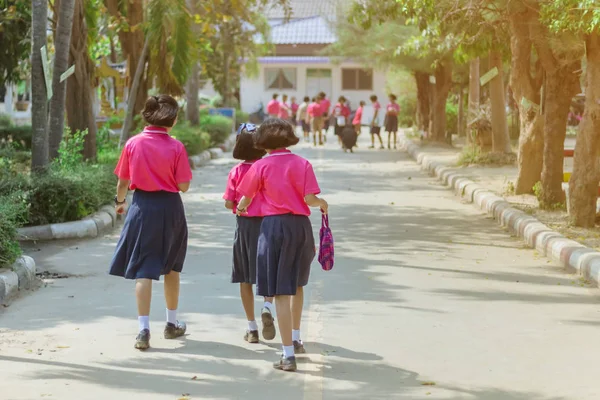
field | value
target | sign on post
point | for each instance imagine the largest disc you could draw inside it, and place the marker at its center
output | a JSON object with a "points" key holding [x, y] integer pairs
{"points": [[488, 76], [67, 73], [47, 75]]}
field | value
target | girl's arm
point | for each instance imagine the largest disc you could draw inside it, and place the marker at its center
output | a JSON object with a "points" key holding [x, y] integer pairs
{"points": [[122, 188], [242, 207], [229, 204], [184, 187], [314, 201]]}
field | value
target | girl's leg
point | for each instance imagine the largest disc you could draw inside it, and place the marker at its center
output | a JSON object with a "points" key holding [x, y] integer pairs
{"points": [[267, 319], [174, 328], [247, 296], [284, 320], [380, 140], [389, 140], [296, 308], [395, 139], [372, 141], [143, 296], [320, 137]]}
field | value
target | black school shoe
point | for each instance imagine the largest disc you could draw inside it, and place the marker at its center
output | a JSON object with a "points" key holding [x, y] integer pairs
{"points": [[286, 364], [142, 341], [173, 331], [251, 336], [268, 323]]}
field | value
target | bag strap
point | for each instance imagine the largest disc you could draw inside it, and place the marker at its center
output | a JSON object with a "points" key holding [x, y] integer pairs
{"points": [[325, 220]]}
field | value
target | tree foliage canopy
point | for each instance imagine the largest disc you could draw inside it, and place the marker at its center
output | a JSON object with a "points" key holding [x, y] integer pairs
{"points": [[15, 33]]}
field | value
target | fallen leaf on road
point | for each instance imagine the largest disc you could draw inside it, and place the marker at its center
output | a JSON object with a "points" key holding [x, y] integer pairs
{"points": [[428, 383], [63, 347], [194, 377]]}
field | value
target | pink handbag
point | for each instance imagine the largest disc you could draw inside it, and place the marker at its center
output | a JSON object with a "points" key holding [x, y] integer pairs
{"points": [[326, 251]]}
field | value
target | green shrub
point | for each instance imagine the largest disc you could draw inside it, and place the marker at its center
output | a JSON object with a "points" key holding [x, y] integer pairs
{"points": [[70, 151], [217, 126], [240, 117], [194, 140], [13, 160], [451, 116], [5, 121], [18, 135], [408, 110], [12, 209]]}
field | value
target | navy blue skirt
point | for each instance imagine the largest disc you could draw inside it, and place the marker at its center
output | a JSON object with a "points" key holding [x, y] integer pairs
{"points": [[245, 244], [154, 238], [286, 249]]}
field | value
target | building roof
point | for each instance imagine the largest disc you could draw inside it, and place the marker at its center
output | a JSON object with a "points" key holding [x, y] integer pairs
{"points": [[313, 30], [294, 60], [302, 9]]}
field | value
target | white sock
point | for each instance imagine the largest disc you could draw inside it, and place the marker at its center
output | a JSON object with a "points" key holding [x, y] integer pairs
{"points": [[172, 316], [144, 322], [288, 351], [296, 335], [269, 305], [252, 326]]}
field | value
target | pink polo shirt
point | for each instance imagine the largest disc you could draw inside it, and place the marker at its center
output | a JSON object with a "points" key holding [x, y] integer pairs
{"points": [[283, 179], [283, 110], [273, 107], [357, 116], [325, 105], [234, 179], [393, 108], [314, 110], [154, 161]]}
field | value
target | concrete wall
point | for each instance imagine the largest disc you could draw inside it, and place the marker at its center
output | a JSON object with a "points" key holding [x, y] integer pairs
{"points": [[253, 92]]}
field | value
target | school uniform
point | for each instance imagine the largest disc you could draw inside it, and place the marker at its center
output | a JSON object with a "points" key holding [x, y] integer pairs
{"points": [[154, 238], [340, 111], [273, 108], [302, 117], [286, 246], [315, 113], [325, 105], [375, 126], [391, 117], [247, 228]]}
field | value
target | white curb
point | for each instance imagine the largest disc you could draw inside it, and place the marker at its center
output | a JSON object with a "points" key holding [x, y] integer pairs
{"points": [[19, 278]]}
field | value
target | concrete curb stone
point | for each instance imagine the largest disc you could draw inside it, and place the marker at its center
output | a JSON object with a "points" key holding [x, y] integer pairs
{"points": [[20, 277], [572, 255]]}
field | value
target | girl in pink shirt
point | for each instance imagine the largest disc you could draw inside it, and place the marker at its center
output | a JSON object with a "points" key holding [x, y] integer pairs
{"points": [[341, 112], [273, 106], [284, 108], [154, 238], [247, 230], [375, 126], [286, 186], [314, 117], [391, 119], [358, 117]]}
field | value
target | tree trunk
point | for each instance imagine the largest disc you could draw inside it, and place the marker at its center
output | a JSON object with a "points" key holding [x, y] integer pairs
{"points": [[423, 100], [474, 96], [525, 86], [39, 107], [461, 111], [132, 44], [500, 138], [133, 93], [560, 87], [192, 112], [80, 104], [62, 43], [443, 83], [583, 186]]}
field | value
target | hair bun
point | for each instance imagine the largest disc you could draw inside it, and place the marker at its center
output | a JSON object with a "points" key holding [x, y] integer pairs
{"points": [[151, 104]]}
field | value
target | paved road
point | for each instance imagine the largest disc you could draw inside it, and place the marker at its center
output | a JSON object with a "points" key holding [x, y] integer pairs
{"points": [[429, 300]]}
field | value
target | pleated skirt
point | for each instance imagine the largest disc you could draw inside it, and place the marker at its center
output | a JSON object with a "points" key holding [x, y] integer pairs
{"points": [[245, 244], [286, 249], [154, 238]]}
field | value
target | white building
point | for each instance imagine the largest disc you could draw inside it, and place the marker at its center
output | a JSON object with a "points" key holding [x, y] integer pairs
{"points": [[297, 67]]}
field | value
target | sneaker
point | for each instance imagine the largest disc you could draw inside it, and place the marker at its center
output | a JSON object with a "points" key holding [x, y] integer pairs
{"points": [[142, 341], [268, 323], [286, 364], [371, 147], [382, 148], [251, 336], [299, 347], [173, 331]]}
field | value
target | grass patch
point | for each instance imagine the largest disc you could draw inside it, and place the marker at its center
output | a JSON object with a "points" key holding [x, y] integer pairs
{"points": [[472, 155]]}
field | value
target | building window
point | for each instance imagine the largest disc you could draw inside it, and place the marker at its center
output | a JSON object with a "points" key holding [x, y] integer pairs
{"points": [[318, 73], [357, 79], [280, 78]]}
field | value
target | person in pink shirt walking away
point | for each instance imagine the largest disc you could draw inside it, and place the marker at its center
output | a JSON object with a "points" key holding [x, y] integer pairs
{"points": [[273, 107], [284, 108], [314, 117], [375, 123], [286, 186], [325, 104], [357, 121], [391, 120], [245, 242], [294, 109], [154, 238]]}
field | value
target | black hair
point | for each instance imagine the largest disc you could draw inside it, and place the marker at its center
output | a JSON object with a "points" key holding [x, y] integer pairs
{"points": [[342, 99], [275, 133], [161, 110], [362, 103], [313, 99], [322, 94], [244, 147], [373, 98], [275, 95], [393, 97], [306, 98]]}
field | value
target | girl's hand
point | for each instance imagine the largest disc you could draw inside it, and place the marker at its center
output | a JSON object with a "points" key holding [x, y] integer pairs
{"points": [[120, 209], [324, 206], [241, 213]]}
